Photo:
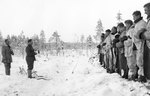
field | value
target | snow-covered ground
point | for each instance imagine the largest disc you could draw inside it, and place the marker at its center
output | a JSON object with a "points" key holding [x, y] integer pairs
{"points": [[70, 75]]}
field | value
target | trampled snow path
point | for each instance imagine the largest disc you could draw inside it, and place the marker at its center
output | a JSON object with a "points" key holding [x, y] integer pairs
{"points": [[86, 80]]}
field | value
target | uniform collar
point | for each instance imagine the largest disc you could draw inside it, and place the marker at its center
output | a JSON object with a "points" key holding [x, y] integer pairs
{"points": [[130, 28], [29, 45], [148, 18], [136, 21]]}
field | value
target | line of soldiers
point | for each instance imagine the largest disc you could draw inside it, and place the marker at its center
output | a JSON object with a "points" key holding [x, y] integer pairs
{"points": [[125, 49], [7, 53]]}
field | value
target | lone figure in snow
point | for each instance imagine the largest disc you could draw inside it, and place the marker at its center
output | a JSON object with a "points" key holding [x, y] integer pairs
{"points": [[6, 56], [30, 57]]}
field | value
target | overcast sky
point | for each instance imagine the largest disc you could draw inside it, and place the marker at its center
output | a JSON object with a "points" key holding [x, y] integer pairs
{"points": [[71, 18]]}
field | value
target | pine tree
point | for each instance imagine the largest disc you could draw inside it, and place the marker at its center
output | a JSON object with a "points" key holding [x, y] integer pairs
{"points": [[8, 37], [36, 41], [42, 40], [99, 30], [49, 43], [1, 39], [21, 43], [119, 18], [14, 41], [82, 40], [57, 41], [89, 41], [56, 38], [89, 44], [21, 40]]}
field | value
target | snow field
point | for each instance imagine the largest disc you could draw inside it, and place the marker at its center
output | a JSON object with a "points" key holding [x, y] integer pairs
{"points": [[71, 75]]}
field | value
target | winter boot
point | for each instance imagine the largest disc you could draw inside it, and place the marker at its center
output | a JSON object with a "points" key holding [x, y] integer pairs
{"points": [[132, 78], [29, 73], [142, 79], [125, 76], [112, 71], [108, 70], [7, 71]]}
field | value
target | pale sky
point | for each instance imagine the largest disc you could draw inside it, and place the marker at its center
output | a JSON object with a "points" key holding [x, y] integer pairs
{"points": [[71, 18]]}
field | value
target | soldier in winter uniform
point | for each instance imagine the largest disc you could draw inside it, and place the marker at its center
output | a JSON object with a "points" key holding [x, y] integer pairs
{"points": [[139, 43], [101, 55], [106, 47], [116, 52], [110, 50], [130, 53], [144, 34], [7, 53], [113, 48], [120, 45], [30, 57]]}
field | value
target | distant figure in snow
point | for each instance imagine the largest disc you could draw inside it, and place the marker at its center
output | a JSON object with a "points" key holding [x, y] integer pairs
{"points": [[101, 55], [6, 56], [30, 57]]}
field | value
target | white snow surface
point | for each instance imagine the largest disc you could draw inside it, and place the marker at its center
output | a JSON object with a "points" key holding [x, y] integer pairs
{"points": [[70, 75]]}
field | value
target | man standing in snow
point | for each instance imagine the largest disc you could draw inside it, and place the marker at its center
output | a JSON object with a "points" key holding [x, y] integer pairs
{"points": [[107, 47], [144, 34], [120, 45], [101, 56], [130, 52], [116, 52], [139, 43], [30, 57], [6, 56], [113, 48]]}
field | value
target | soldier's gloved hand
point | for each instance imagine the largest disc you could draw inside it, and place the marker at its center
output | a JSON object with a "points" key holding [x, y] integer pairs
{"points": [[117, 36], [98, 46], [38, 51], [35, 53], [129, 37], [119, 45], [123, 38], [141, 35], [4, 61], [141, 31], [134, 47], [103, 44], [115, 41]]}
